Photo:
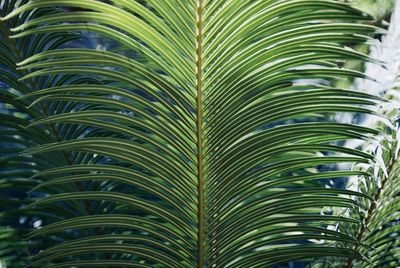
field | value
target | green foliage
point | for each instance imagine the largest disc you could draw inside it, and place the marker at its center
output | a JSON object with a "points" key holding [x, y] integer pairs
{"points": [[16, 169], [378, 8], [198, 142], [378, 233], [380, 215]]}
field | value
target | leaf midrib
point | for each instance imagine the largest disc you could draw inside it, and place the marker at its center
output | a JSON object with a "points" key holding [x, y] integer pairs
{"points": [[199, 130]]}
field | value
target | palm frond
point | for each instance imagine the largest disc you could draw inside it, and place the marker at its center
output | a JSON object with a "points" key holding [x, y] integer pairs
{"points": [[16, 219], [380, 216], [196, 140]]}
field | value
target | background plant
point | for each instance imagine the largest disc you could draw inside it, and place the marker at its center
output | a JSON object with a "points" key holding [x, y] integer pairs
{"points": [[381, 215]]}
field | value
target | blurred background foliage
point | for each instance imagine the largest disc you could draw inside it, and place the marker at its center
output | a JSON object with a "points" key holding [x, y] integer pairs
{"points": [[381, 9]]}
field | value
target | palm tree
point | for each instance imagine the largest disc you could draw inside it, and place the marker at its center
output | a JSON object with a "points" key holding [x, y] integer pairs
{"points": [[200, 138]]}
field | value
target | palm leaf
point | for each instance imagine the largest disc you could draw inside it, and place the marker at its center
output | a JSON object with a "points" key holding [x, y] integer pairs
{"points": [[380, 216], [200, 144], [16, 169]]}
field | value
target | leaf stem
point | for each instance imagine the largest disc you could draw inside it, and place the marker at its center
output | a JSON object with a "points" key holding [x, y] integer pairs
{"points": [[199, 109]]}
